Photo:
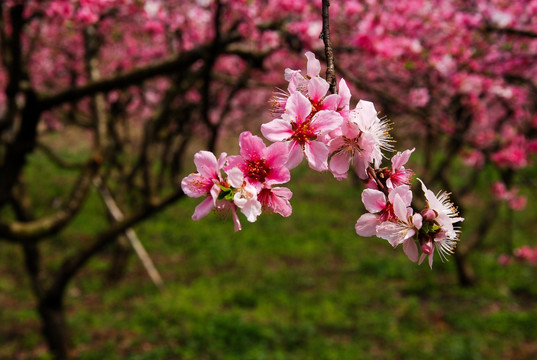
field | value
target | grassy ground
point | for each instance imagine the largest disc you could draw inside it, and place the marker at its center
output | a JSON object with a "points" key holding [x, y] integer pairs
{"points": [[305, 287]]}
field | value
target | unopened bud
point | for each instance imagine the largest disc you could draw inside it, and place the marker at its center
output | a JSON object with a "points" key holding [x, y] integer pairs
{"points": [[429, 214], [427, 247]]}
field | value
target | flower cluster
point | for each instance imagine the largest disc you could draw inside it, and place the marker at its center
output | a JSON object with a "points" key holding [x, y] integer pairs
{"points": [[310, 123], [524, 254]]}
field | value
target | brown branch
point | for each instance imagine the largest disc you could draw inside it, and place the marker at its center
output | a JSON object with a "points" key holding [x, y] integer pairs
{"points": [[72, 265], [510, 31], [56, 159], [178, 63], [36, 230], [325, 35]]}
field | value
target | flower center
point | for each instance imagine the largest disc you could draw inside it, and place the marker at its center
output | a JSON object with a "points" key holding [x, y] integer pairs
{"points": [[303, 132], [257, 170]]}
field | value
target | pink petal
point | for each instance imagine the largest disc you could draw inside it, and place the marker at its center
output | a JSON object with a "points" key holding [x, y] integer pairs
{"points": [[278, 175], [367, 225], [276, 155], [206, 164], [399, 208], [317, 155], [252, 146], [314, 65], [251, 209], [221, 160], [203, 208], [360, 165], [374, 200], [345, 95], [367, 115], [277, 199], [401, 159], [404, 193], [411, 250], [317, 88], [325, 121], [339, 163], [235, 177], [236, 221], [235, 161], [196, 185], [298, 107], [296, 154], [417, 221], [277, 130], [331, 102], [390, 231]]}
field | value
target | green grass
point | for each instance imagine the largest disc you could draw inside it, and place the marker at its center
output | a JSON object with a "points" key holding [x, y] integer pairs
{"points": [[304, 287]]}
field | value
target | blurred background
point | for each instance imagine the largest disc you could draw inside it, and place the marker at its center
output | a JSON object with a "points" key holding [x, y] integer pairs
{"points": [[104, 103]]}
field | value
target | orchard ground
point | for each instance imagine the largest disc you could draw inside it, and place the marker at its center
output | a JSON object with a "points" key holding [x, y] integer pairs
{"points": [[304, 287]]}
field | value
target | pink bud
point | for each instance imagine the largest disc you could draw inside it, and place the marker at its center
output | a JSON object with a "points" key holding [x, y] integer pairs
{"points": [[428, 214], [427, 247]]}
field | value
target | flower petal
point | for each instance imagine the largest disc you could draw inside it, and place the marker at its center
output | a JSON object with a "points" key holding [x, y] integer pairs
{"points": [[313, 66], [277, 130], [374, 200], [366, 225], [325, 121], [411, 250], [317, 88], [339, 163], [203, 209], [298, 107], [401, 158], [296, 154], [206, 164], [252, 146], [235, 177], [277, 154], [317, 155]]}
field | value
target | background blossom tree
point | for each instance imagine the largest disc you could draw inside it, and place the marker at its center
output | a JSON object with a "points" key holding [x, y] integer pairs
{"points": [[136, 81]]}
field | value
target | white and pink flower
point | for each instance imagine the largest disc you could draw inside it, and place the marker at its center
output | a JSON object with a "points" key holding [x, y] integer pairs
{"points": [[303, 133]]}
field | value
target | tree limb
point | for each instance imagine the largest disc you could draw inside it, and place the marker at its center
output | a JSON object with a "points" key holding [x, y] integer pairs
{"points": [[178, 63]]}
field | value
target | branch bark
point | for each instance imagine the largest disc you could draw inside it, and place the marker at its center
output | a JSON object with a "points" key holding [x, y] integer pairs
{"points": [[325, 35], [179, 63], [36, 230]]}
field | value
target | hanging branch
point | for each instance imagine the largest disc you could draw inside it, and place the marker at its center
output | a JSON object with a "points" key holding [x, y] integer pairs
{"points": [[325, 35]]}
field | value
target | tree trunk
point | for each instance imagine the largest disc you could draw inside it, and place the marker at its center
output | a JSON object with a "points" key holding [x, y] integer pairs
{"points": [[55, 329], [465, 271], [120, 258]]}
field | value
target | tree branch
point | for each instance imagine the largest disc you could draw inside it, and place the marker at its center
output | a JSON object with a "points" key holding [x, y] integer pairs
{"points": [[72, 265], [178, 63], [36, 230], [325, 35]]}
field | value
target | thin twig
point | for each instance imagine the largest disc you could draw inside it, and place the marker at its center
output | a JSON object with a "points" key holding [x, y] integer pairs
{"points": [[325, 35], [117, 214]]}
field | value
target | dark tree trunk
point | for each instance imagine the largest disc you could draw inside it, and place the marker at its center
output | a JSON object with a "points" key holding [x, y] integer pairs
{"points": [[55, 328], [120, 259], [465, 271]]}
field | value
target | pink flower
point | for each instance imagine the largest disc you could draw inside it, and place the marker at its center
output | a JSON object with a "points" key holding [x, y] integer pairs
{"points": [[404, 226], [244, 194], [437, 231], [261, 165], [362, 139], [380, 208], [276, 200], [205, 182], [518, 203], [398, 175], [419, 97], [504, 260], [303, 132]]}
